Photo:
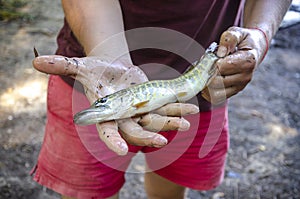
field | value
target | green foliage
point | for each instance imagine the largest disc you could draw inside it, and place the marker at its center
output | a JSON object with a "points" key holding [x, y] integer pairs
{"points": [[10, 10]]}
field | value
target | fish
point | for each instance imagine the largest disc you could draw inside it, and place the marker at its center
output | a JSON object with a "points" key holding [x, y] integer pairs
{"points": [[148, 96]]}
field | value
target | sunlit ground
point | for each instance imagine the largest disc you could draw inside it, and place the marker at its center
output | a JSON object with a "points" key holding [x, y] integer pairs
{"points": [[280, 131], [30, 95], [23, 110]]}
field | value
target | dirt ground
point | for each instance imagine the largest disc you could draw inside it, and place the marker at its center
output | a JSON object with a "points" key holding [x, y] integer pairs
{"points": [[264, 158]]}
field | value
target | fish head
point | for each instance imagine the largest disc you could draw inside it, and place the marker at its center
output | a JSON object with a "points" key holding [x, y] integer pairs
{"points": [[103, 109]]}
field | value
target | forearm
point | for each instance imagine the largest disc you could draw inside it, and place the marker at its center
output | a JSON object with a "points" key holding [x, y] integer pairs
{"points": [[94, 22], [265, 14]]}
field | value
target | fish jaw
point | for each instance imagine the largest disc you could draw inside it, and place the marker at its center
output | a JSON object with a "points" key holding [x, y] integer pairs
{"points": [[94, 115]]}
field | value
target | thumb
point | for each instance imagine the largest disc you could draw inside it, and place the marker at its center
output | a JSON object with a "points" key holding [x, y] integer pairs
{"points": [[57, 65], [229, 41]]}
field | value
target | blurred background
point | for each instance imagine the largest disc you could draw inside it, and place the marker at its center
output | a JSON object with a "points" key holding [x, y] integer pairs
{"points": [[264, 158]]}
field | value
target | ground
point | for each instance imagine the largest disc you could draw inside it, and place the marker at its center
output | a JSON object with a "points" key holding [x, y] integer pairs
{"points": [[264, 158]]}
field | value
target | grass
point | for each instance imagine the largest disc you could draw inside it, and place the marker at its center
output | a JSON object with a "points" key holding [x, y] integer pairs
{"points": [[11, 10]]}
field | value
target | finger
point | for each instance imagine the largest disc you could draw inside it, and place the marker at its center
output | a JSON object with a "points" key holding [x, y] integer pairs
{"points": [[233, 90], [229, 41], [57, 65], [214, 96], [222, 82], [134, 134], [177, 109], [239, 62], [218, 96], [155, 122], [108, 133]]}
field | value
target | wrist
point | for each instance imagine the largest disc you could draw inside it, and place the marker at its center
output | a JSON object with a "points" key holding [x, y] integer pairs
{"points": [[111, 49], [266, 41]]}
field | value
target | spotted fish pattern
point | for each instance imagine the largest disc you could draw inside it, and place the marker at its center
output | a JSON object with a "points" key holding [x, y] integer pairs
{"points": [[148, 96]]}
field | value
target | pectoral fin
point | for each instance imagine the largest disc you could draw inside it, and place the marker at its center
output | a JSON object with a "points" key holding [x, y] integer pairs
{"points": [[141, 104], [181, 94]]}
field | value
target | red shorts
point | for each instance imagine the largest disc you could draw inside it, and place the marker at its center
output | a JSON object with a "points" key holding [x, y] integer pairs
{"points": [[74, 161]]}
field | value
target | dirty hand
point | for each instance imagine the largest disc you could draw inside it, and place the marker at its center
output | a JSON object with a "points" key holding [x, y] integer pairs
{"points": [[241, 50], [100, 78]]}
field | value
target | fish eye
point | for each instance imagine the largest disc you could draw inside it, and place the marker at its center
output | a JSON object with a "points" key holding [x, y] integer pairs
{"points": [[102, 100]]}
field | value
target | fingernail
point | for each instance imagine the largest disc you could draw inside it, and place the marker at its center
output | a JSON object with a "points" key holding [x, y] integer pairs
{"points": [[222, 51], [195, 110], [41, 59], [38, 61], [184, 126], [159, 141], [36, 54], [123, 148]]}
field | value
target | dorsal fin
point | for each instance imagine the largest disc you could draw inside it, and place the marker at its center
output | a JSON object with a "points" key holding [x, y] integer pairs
{"points": [[191, 67]]}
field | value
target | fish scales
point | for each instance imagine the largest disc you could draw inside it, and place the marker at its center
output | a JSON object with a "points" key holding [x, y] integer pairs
{"points": [[148, 96]]}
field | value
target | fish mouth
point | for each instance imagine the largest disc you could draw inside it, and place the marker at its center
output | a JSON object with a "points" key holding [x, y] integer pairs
{"points": [[92, 116]]}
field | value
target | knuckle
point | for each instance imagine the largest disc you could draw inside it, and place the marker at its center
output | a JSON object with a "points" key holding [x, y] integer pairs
{"points": [[234, 28], [249, 66], [251, 58], [228, 37], [217, 96], [248, 79], [231, 35]]}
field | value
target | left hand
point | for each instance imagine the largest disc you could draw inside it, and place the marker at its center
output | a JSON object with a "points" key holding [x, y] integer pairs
{"points": [[141, 130], [241, 50]]}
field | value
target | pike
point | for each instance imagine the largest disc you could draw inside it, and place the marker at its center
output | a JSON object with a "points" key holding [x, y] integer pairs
{"points": [[151, 95]]}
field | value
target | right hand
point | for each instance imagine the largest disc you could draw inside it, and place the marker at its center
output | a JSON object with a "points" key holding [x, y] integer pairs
{"points": [[100, 78]]}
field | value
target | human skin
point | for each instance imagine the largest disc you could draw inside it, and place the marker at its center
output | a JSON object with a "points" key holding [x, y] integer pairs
{"points": [[93, 23], [241, 49]]}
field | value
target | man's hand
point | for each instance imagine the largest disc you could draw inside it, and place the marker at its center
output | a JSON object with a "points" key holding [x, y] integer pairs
{"points": [[241, 50], [100, 78]]}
